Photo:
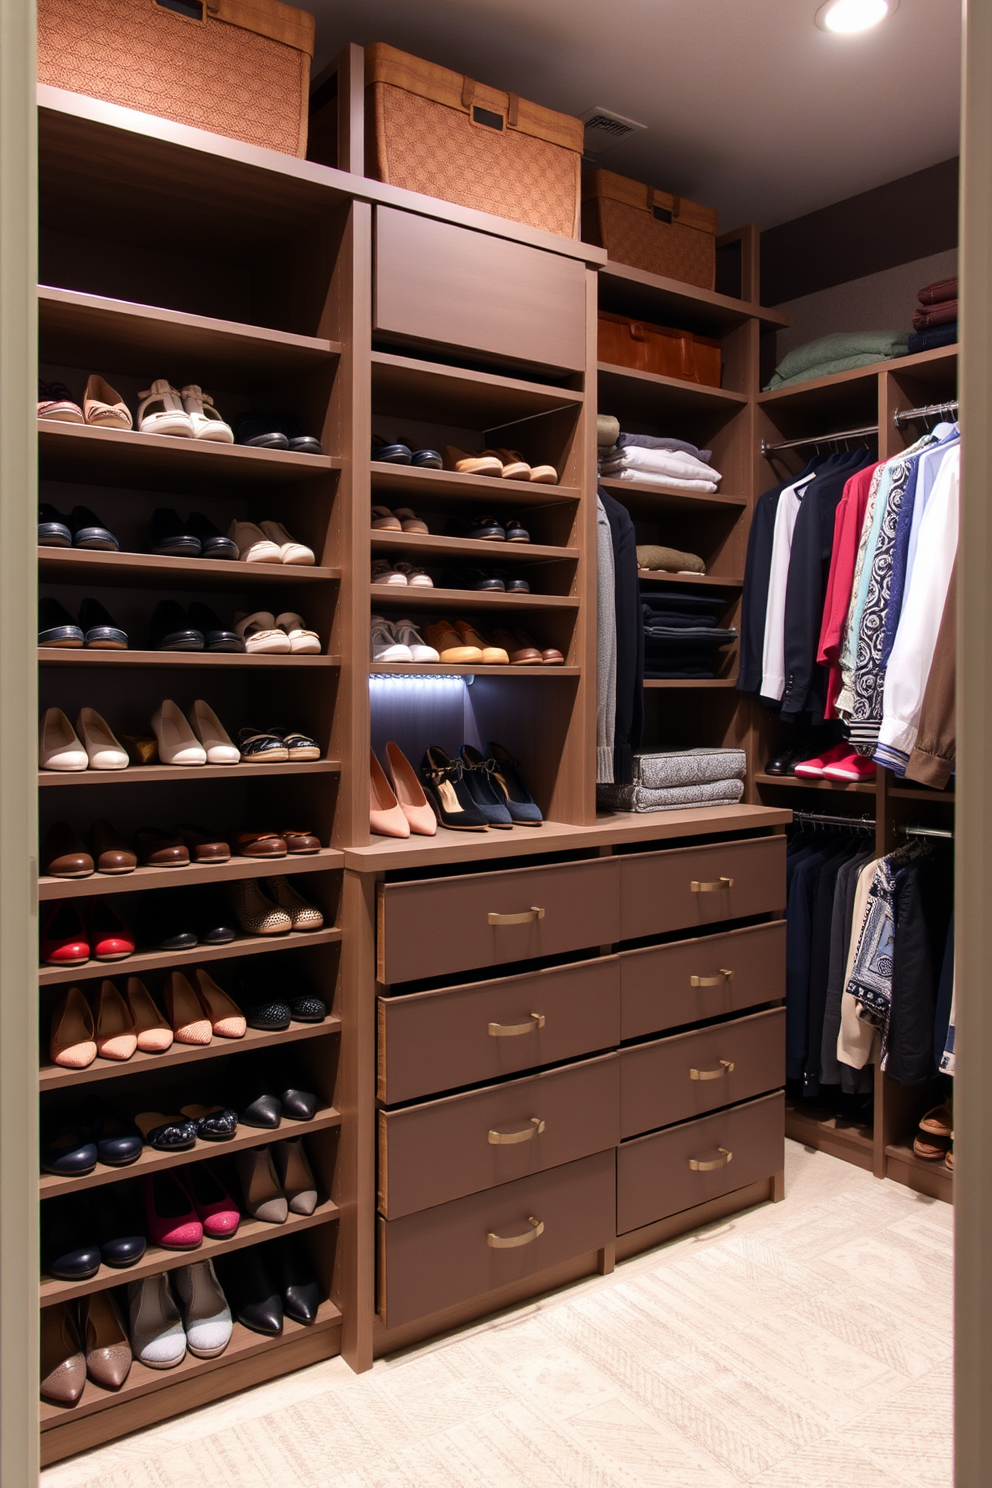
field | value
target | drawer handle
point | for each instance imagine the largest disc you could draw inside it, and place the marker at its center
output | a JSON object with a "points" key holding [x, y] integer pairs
{"points": [[507, 1139], [525, 917], [725, 1067], [507, 1242], [725, 976], [510, 1030], [710, 885], [717, 1162]]}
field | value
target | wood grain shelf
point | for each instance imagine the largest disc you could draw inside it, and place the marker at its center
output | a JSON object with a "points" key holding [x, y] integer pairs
{"points": [[667, 301], [840, 1136], [53, 657], [52, 1185], [683, 682], [409, 486], [404, 597], [715, 581], [444, 549], [932, 1178], [91, 330], [150, 570], [922, 793], [645, 499], [153, 774], [54, 1077], [158, 462], [406, 387], [242, 945], [414, 669], [942, 361], [143, 1381], [156, 1259], [102, 884], [647, 395], [793, 782]]}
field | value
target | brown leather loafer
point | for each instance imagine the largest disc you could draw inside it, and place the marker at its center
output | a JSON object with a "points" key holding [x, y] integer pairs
{"points": [[520, 651], [550, 655], [262, 845], [111, 853], [160, 849], [301, 842], [64, 854], [204, 846]]}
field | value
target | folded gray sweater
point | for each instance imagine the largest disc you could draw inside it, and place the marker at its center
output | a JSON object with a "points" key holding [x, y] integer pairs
{"points": [[641, 798], [667, 768]]}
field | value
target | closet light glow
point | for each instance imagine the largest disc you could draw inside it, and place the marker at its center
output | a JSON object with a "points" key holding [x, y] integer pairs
{"points": [[847, 16]]}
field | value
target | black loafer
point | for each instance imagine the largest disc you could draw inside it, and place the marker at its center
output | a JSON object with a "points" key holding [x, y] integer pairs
{"points": [[486, 529], [53, 528], [71, 1152], [170, 629], [89, 532], [56, 626], [295, 1278], [217, 636], [305, 444], [214, 922], [118, 1142], [307, 1007], [391, 454], [170, 537], [426, 459], [121, 1231], [169, 921], [69, 1244], [213, 542], [515, 532], [100, 632], [259, 431], [251, 1291], [517, 586]]}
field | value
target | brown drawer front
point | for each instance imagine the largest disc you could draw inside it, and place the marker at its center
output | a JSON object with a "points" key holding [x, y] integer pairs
{"points": [[431, 1041], [445, 1149], [675, 1169], [441, 1256], [707, 977], [690, 886], [680, 1077], [441, 925], [435, 282]]}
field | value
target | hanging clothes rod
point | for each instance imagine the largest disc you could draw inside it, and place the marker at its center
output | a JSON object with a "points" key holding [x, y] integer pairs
{"points": [[771, 449], [925, 832], [817, 818], [929, 410]]}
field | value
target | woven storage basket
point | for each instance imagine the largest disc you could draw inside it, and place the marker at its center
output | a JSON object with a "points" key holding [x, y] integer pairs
{"points": [[236, 67], [437, 132], [649, 229], [652, 348]]}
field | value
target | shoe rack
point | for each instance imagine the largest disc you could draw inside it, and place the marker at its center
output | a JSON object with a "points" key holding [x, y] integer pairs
{"points": [[880, 1140]]}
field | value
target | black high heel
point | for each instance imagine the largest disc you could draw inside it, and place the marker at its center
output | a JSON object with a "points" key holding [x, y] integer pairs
{"points": [[524, 810], [449, 795]]}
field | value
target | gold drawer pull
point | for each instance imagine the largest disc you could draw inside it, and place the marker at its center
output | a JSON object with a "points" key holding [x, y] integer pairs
{"points": [[525, 917], [725, 1067], [710, 885], [716, 1162], [507, 1139], [725, 976], [510, 1030], [507, 1242]]}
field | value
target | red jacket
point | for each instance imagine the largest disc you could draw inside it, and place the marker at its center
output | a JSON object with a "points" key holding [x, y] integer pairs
{"points": [[840, 580]]}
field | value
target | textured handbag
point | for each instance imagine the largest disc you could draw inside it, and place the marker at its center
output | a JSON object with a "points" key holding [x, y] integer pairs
{"points": [[649, 229], [437, 132], [236, 67]]}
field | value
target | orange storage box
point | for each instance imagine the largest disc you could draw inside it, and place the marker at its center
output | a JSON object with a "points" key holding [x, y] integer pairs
{"points": [[649, 229], [236, 67], [660, 349], [437, 132]]}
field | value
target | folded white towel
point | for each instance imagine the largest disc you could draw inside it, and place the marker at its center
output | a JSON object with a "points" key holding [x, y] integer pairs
{"points": [[668, 462], [649, 478]]}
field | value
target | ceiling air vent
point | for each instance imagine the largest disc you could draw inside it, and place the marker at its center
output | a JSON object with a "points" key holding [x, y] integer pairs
{"points": [[605, 129]]}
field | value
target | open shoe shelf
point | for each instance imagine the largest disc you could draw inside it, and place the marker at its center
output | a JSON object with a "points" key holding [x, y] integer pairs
{"points": [[242, 945]]}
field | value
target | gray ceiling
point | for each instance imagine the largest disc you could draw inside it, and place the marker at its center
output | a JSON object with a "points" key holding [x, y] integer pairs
{"points": [[750, 107]]}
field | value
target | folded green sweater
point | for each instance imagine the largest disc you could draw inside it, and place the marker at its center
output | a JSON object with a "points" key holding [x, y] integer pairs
{"points": [[838, 353]]}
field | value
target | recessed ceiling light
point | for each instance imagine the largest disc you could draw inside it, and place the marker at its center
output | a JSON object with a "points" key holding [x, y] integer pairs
{"points": [[847, 16]]}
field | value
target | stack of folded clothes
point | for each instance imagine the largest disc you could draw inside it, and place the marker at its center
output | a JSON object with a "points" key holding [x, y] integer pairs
{"points": [[674, 778], [660, 462], [652, 556], [838, 353], [681, 634], [935, 319]]}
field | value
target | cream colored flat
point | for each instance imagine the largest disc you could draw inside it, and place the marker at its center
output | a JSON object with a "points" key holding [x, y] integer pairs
{"points": [[103, 749], [104, 407]]}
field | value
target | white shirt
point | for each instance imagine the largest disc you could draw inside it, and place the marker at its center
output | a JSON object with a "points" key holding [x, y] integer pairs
{"points": [[773, 650]]}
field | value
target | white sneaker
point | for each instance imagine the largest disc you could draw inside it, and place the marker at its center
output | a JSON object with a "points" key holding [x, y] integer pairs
{"points": [[408, 635], [205, 1313], [385, 646]]}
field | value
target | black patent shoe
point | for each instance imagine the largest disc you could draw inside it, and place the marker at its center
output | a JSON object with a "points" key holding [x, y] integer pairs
{"points": [[100, 630], [213, 542], [448, 793], [171, 629], [53, 528], [56, 626], [217, 637], [89, 532], [70, 1152], [70, 1246], [171, 537], [295, 1278], [251, 1291]]}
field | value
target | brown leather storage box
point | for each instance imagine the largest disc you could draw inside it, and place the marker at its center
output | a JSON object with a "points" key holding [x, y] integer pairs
{"points": [[236, 67], [653, 348], [435, 131], [650, 229]]}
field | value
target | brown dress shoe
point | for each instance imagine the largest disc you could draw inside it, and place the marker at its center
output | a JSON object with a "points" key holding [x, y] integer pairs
{"points": [[519, 654], [262, 845], [550, 655], [160, 849], [107, 1351], [64, 853], [301, 841], [63, 1366], [204, 846], [111, 853], [491, 655]]}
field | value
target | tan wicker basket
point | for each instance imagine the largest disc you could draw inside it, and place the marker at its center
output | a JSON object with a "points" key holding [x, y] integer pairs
{"points": [[650, 229]]}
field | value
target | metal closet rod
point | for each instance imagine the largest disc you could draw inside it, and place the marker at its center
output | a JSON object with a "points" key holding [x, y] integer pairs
{"points": [[866, 824], [906, 416]]}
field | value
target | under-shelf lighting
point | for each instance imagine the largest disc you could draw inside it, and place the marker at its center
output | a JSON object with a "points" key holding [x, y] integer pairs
{"points": [[386, 682], [845, 17]]}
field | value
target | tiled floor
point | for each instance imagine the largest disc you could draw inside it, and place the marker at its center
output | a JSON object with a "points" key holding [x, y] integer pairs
{"points": [[803, 1345]]}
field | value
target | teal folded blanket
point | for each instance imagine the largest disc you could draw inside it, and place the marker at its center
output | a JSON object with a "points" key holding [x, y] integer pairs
{"points": [[838, 353]]}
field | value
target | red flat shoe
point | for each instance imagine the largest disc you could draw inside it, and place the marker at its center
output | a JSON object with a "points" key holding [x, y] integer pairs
{"points": [[111, 939], [64, 941], [215, 1209], [169, 1214], [850, 767], [812, 769]]}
